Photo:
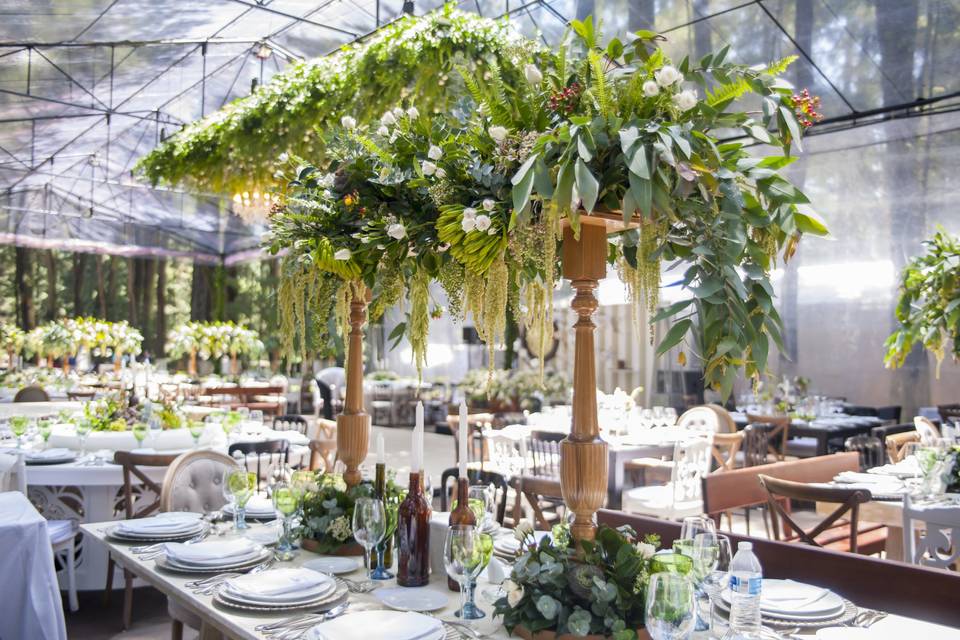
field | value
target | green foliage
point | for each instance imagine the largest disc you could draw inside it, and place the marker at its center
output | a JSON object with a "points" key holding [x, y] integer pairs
{"points": [[929, 306], [328, 510], [211, 340]]}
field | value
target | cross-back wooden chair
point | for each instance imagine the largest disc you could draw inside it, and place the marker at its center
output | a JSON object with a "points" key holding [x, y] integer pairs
{"points": [[777, 435], [134, 506], [540, 482], [265, 455], [476, 476], [326, 429], [896, 444], [323, 454], [836, 531], [726, 446]]}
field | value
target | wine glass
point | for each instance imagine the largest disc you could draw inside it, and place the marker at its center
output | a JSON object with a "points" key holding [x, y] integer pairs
{"points": [[692, 527], [46, 428], [229, 423], [669, 607], [257, 416], [238, 487], [646, 418], [478, 499], [369, 526], [18, 424], [196, 430], [670, 416], [658, 416], [286, 501], [380, 572], [704, 554], [84, 427], [155, 427], [466, 552], [140, 431], [714, 582]]}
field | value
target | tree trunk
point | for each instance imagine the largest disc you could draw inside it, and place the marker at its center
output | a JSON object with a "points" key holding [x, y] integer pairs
{"points": [[112, 290], [79, 266], [132, 288], [149, 268], [52, 303], [201, 302], [161, 324], [101, 289], [26, 316]]}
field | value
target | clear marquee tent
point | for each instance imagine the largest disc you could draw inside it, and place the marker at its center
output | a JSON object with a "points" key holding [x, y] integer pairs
{"points": [[88, 86]]}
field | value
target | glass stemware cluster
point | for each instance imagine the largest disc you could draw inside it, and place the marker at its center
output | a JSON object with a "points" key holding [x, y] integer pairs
{"points": [[239, 486], [466, 553], [369, 527]]}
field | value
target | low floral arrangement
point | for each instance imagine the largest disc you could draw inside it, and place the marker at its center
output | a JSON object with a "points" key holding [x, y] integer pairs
{"points": [[12, 338], [328, 510], [784, 395], [212, 340], [106, 414], [516, 389], [603, 592]]}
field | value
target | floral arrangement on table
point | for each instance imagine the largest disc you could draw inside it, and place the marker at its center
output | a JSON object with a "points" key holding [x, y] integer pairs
{"points": [[783, 395], [516, 389], [601, 592], [103, 338], [106, 414], [211, 340], [12, 340], [51, 341], [929, 307], [328, 511]]}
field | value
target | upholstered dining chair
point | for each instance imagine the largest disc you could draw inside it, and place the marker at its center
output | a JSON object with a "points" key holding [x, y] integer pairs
{"points": [[703, 418], [725, 420], [683, 495], [929, 433], [141, 498], [193, 482]]}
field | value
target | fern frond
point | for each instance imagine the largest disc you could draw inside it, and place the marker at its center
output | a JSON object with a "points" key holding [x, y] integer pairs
{"points": [[740, 86], [601, 92], [780, 66], [375, 149]]}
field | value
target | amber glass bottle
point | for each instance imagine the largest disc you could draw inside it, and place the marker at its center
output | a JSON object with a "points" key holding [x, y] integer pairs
{"points": [[462, 514], [413, 536]]}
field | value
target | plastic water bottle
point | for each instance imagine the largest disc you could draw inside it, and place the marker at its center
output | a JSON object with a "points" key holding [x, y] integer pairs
{"points": [[746, 580]]}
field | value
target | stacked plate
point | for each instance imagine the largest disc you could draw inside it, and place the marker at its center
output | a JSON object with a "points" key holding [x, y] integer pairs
{"points": [[379, 625], [56, 455], [212, 556], [281, 590], [489, 526], [165, 527], [258, 508], [785, 602], [506, 546]]}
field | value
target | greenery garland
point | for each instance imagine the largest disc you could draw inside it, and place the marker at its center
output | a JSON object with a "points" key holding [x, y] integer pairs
{"points": [[929, 307]]}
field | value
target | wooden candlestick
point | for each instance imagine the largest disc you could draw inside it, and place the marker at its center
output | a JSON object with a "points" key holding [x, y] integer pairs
{"points": [[583, 454], [353, 424]]}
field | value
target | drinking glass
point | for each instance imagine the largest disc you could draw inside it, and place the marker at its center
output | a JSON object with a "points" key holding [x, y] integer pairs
{"points": [[155, 427], [381, 572], [84, 427], [692, 527], [646, 418], [704, 554], [670, 416], [18, 424], [196, 430], [478, 499], [669, 607], [369, 526], [715, 581], [229, 423], [257, 416], [466, 552], [140, 431], [658, 416], [46, 428], [286, 502], [238, 487]]}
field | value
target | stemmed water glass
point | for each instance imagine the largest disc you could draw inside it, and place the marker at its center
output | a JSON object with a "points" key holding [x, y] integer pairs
{"points": [[670, 416], [658, 416], [257, 416], [46, 428], [238, 487], [84, 427], [381, 572], [466, 552], [286, 501], [478, 499], [19, 424], [713, 552], [140, 431], [670, 611], [692, 527], [229, 423], [369, 526], [196, 430]]}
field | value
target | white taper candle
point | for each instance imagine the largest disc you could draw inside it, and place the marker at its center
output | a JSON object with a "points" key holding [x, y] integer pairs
{"points": [[463, 434]]}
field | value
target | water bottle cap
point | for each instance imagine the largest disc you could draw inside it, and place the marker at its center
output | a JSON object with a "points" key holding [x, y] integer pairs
{"points": [[745, 546]]}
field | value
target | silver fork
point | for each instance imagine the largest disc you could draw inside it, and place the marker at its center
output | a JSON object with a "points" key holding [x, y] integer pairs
{"points": [[158, 546], [297, 630], [359, 586], [213, 586]]}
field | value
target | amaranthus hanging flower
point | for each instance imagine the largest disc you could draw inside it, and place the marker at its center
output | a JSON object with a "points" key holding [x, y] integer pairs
{"points": [[342, 254]]}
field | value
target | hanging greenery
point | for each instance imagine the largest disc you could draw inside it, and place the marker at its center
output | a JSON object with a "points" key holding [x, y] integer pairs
{"points": [[233, 150], [929, 307]]}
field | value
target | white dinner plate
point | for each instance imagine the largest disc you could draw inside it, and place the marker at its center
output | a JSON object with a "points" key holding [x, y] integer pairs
{"points": [[123, 536], [812, 602], [325, 603], [334, 565], [371, 625], [306, 586], [412, 599], [172, 565]]}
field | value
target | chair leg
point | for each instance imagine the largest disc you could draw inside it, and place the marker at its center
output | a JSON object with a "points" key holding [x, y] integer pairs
{"points": [[176, 630], [746, 516], [72, 575], [108, 589], [127, 599]]}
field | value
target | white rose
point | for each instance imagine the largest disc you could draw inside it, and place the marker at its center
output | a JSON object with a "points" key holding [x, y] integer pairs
{"points": [[650, 88], [646, 550], [388, 119], [283, 157], [428, 168], [348, 123], [489, 204], [342, 254], [667, 75], [514, 595], [383, 131], [397, 112], [412, 113], [469, 212], [396, 231], [483, 222], [523, 529], [441, 173], [685, 100], [468, 224], [435, 152], [533, 74], [499, 134]]}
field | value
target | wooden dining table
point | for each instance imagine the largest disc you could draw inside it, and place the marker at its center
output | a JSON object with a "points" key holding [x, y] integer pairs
{"points": [[241, 625]]}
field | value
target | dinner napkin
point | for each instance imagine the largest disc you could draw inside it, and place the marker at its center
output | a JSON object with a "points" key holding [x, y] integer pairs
{"points": [[790, 596], [280, 585], [852, 477], [165, 523], [213, 552], [50, 454], [379, 625]]}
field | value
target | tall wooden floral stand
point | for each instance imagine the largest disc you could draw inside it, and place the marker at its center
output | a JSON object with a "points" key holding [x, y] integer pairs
{"points": [[583, 453], [353, 424]]}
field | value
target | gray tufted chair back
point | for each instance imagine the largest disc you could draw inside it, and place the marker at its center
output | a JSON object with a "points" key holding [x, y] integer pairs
{"points": [[700, 419], [194, 482]]}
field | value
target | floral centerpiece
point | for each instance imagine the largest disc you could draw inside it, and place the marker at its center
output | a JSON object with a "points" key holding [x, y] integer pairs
{"points": [[12, 340], [600, 592], [212, 340], [929, 307], [327, 523]]}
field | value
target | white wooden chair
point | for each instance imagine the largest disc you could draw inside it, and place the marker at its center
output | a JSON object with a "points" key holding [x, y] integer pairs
{"points": [[939, 544], [683, 495]]}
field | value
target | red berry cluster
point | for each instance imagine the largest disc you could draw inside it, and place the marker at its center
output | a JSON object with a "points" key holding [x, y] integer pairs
{"points": [[805, 106], [565, 100]]}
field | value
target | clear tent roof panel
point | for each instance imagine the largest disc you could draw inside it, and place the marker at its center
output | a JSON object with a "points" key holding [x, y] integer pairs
{"points": [[142, 61]]}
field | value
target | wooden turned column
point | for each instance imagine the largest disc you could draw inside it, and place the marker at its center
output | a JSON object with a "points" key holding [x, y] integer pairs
{"points": [[583, 454], [353, 424]]}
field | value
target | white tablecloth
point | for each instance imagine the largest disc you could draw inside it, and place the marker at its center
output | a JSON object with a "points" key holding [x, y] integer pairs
{"points": [[30, 605]]}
